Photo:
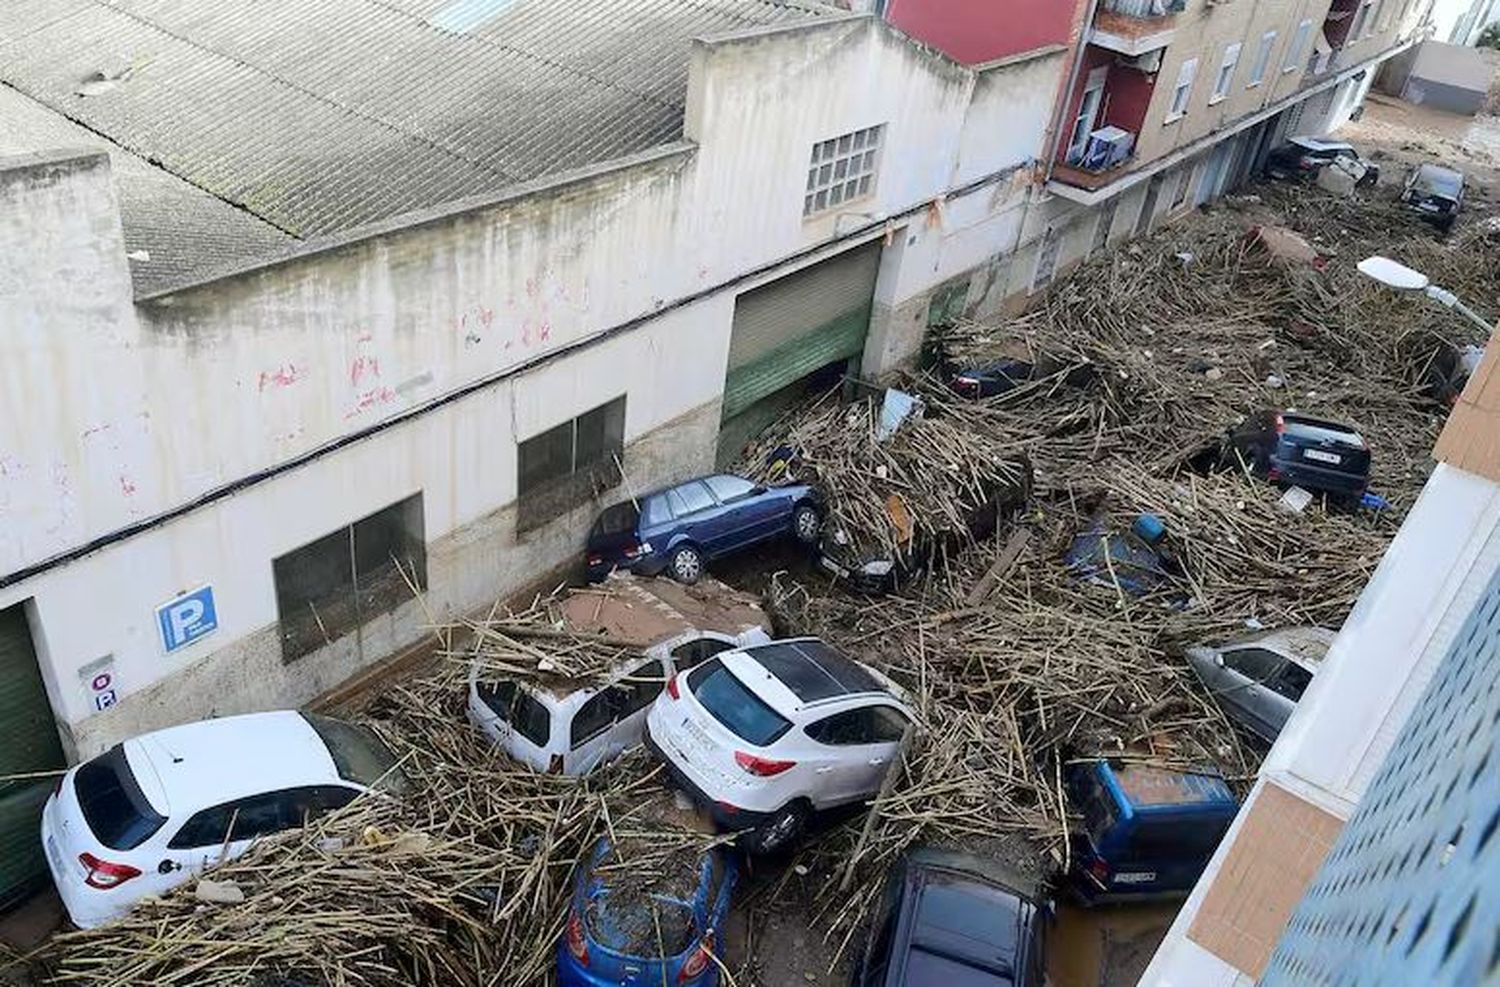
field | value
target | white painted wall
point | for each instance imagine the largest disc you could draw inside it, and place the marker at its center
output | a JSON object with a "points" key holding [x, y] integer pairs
{"points": [[116, 413]]}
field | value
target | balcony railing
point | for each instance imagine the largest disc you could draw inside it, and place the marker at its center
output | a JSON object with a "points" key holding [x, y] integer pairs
{"points": [[1144, 8]]}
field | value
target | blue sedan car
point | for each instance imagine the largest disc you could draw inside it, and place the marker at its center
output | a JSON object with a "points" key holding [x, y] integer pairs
{"points": [[626, 928], [678, 529]]}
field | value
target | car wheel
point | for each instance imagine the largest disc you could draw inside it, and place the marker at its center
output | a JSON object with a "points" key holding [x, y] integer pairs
{"points": [[686, 565], [780, 831], [806, 524]]}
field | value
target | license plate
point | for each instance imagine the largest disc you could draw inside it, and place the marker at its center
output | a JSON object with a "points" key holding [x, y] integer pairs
{"points": [[1136, 877], [1319, 456], [1427, 206]]}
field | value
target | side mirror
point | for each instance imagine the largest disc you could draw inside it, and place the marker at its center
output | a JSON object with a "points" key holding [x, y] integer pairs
{"points": [[1219, 660]]}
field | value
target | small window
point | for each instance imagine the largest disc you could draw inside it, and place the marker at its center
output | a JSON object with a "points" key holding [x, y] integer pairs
{"points": [[1176, 839], [618, 520], [1226, 72], [258, 815], [516, 706], [696, 652], [597, 715], [655, 510], [841, 170], [1184, 185], [729, 488], [117, 811], [308, 805], [326, 589], [1294, 52], [690, 498], [1184, 89], [1256, 664], [1102, 227], [1262, 59], [569, 464], [1292, 682], [1097, 806], [867, 725], [1046, 260], [642, 685]]}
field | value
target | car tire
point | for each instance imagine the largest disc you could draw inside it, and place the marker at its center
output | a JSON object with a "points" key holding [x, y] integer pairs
{"points": [[782, 830], [685, 564], [807, 523]]}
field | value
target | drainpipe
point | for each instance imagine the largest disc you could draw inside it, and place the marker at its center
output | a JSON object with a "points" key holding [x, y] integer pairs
{"points": [[1067, 97]]}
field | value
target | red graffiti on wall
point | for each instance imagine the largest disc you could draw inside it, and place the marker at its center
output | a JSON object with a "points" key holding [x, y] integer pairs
{"points": [[370, 399], [283, 376], [362, 367]]}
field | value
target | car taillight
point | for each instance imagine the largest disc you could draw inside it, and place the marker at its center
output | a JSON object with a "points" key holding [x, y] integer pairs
{"points": [[672, 689], [636, 551], [555, 764], [1099, 870], [105, 875], [1280, 425], [966, 385], [1273, 475], [596, 560], [699, 961], [762, 767], [576, 944]]}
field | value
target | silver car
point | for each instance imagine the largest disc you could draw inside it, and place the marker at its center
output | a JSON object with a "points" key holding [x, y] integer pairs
{"points": [[1258, 680]]}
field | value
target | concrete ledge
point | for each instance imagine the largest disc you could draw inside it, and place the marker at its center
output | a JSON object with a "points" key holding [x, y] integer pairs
{"points": [[15, 167]]}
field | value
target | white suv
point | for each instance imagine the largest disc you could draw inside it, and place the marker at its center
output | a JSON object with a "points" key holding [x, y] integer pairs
{"points": [[764, 737]]}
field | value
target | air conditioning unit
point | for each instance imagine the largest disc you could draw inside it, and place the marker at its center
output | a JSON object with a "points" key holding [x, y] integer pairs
{"points": [[1108, 146], [1149, 63]]}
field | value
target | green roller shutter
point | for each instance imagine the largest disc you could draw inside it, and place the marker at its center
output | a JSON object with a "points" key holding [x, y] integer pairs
{"points": [[792, 327], [28, 744]]}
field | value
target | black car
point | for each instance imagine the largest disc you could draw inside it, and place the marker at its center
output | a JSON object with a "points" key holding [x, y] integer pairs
{"points": [[955, 920], [1435, 193], [1295, 450], [1304, 157], [988, 379]]}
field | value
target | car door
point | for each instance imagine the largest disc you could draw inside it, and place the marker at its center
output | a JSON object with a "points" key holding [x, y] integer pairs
{"points": [[591, 731], [858, 746], [225, 831], [698, 516], [641, 685], [1249, 692], [750, 515]]}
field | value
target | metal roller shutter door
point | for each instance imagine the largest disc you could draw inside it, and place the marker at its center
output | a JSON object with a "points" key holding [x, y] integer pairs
{"points": [[791, 327], [28, 743]]}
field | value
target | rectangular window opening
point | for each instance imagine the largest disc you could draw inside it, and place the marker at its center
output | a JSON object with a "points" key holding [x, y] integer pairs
{"points": [[841, 170]]}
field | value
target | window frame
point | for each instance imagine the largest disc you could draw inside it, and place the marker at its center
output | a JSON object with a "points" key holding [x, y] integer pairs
{"points": [[1262, 63], [1182, 92], [543, 496], [675, 500], [230, 811], [860, 159], [713, 645], [1294, 52], [708, 481], [611, 697], [1275, 668], [405, 517], [1224, 82]]}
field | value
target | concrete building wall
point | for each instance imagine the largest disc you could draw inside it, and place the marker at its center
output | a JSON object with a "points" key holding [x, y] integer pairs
{"points": [[190, 439], [1450, 77]]}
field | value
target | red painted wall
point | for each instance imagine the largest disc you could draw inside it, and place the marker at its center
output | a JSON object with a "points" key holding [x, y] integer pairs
{"points": [[1127, 95], [975, 31]]}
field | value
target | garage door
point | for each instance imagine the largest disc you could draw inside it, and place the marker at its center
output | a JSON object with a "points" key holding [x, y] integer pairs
{"points": [[788, 330], [28, 744]]}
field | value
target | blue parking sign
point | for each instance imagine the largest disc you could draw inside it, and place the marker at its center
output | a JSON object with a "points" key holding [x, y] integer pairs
{"points": [[187, 618]]}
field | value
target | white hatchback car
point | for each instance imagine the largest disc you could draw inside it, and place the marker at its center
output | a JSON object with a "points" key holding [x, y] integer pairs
{"points": [[764, 737], [568, 727], [150, 813]]}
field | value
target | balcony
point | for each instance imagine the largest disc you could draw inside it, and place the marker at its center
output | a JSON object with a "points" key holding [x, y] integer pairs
{"points": [[1135, 27]]}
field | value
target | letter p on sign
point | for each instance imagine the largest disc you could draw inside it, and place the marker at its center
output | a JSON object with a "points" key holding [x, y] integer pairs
{"points": [[187, 618]]}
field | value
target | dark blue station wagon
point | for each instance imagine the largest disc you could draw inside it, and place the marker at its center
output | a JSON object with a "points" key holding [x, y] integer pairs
{"points": [[678, 529]]}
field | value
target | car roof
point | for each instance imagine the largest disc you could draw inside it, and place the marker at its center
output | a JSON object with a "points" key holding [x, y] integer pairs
{"points": [[812, 671], [968, 931], [189, 767], [1145, 786], [1307, 646]]}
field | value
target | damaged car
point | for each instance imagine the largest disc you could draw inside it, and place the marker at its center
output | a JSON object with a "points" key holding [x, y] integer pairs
{"points": [[1289, 449], [1259, 680]]}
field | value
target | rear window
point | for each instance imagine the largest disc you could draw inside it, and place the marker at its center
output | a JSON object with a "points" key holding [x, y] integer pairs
{"points": [[358, 755], [1097, 806], [112, 801], [1316, 431], [727, 699], [518, 708], [1190, 838], [617, 520], [1445, 183]]}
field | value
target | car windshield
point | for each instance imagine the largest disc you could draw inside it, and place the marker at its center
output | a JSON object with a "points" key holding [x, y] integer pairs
{"points": [[1440, 181], [358, 755], [1316, 431], [113, 804], [644, 911], [617, 520], [728, 700]]}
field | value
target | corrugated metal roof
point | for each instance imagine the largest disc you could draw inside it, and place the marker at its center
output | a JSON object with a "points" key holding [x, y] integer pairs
{"points": [[323, 115]]}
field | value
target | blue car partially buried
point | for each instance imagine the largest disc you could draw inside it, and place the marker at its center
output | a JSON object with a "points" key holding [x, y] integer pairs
{"points": [[643, 926], [678, 529]]}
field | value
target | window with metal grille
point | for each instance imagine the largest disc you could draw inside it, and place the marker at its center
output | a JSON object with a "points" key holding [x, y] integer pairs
{"points": [[326, 589], [842, 169], [569, 464]]}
